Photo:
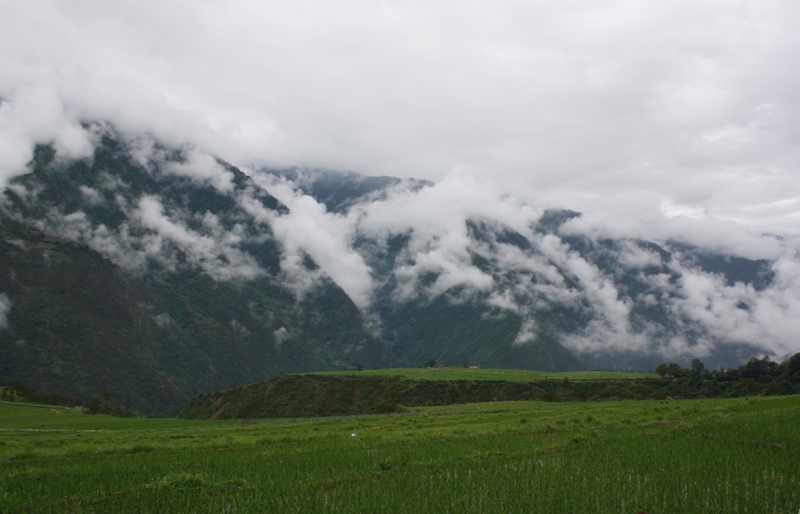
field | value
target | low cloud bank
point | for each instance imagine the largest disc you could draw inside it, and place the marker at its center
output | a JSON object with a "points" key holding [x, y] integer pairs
{"points": [[460, 233], [159, 228], [36, 115]]}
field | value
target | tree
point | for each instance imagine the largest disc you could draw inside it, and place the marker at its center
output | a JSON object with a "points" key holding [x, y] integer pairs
{"points": [[792, 368], [750, 384], [675, 371], [697, 372], [757, 368], [773, 387], [698, 368]]}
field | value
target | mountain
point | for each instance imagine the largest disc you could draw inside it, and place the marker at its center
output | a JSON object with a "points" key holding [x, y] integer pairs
{"points": [[461, 278], [338, 191], [127, 279], [148, 273]]}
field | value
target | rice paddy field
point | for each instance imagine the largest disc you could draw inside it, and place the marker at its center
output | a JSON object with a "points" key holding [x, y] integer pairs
{"points": [[671, 456]]}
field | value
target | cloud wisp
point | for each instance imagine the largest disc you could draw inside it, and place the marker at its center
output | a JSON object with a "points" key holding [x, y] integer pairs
{"points": [[5, 307], [34, 115]]}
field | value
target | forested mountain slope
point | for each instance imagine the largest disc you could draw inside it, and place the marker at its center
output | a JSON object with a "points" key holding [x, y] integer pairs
{"points": [[125, 278], [148, 273]]}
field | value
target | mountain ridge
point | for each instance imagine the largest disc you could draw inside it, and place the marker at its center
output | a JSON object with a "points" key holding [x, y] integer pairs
{"points": [[152, 331], [151, 274]]}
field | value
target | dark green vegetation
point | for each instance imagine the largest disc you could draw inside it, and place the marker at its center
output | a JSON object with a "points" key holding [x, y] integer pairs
{"points": [[82, 326], [514, 375], [327, 395], [20, 394], [757, 376], [688, 456], [14, 392], [461, 331], [380, 391]]}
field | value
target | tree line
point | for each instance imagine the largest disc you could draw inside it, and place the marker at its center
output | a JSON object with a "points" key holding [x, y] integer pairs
{"points": [[16, 392], [756, 376]]}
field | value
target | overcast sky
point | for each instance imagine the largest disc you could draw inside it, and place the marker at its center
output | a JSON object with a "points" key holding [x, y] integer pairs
{"points": [[625, 109]]}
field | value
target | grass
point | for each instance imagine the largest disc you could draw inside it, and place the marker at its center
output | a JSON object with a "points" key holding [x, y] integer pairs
{"points": [[513, 375], [734, 455]]}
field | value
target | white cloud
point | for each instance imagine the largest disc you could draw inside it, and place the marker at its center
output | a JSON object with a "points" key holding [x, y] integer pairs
{"points": [[151, 234], [647, 217], [5, 306], [204, 169], [36, 115], [527, 332], [738, 312], [163, 320], [217, 253], [281, 336], [632, 256], [90, 195], [327, 238], [550, 272], [436, 219]]}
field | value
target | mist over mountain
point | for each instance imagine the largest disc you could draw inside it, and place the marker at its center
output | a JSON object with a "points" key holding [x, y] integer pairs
{"points": [[152, 272], [541, 274], [339, 191]]}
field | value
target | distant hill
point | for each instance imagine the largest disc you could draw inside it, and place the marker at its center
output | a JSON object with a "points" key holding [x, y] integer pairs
{"points": [[501, 374], [335, 394]]}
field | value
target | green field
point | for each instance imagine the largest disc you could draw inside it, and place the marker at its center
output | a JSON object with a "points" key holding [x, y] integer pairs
{"points": [[514, 375], [733, 455]]}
